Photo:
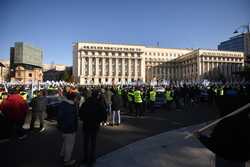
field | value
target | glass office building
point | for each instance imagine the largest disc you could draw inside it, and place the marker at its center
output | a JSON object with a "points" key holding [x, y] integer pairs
{"points": [[26, 54], [239, 43]]}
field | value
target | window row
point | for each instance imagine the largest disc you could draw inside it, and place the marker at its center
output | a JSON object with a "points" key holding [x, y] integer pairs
{"points": [[163, 54], [112, 48], [88, 53]]}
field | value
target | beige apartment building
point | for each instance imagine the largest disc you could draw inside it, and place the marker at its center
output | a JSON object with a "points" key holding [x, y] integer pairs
{"points": [[25, 75], [102, 63]]}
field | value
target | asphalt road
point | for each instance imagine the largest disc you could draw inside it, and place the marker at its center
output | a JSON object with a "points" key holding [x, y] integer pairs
{"points": [[42, 149]]}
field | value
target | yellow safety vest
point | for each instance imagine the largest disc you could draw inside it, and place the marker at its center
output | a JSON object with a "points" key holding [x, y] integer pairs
{"points": [[130, 96], [168, 95], [137, 95], [152, 95], [221, 92]]}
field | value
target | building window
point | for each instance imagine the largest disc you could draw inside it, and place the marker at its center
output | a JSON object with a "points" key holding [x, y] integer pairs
{"points": [[30, 74]]}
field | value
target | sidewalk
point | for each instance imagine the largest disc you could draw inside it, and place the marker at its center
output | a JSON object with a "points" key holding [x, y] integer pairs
{"points": [[169, 149]]}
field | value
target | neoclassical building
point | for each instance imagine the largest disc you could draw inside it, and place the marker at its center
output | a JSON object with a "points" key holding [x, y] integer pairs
{"points": [[103, 63], [208, 64]]}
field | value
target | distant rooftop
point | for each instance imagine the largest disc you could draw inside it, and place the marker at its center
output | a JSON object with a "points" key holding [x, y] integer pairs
{"points": [[143, 45]]}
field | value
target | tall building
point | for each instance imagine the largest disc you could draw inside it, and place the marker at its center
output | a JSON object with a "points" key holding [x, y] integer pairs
{"points": [[102, 63], [26, 63], [239, 43]]}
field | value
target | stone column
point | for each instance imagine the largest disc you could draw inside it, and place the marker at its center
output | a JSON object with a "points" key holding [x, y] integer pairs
{"points": [[78, 64], [103, 67], [83, 66], [110, 67], [135, 68], [143, 69], [90, 67], [199, 67], [116, 67], [97, 66], [123, 68], [129, 68], [230, 70]]}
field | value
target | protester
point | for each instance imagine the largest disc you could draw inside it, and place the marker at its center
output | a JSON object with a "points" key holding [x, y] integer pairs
{"points": [[116, 108], [92, 113], [39, 106], [107, 96], [152, 98], [14, 108], [138, 102], [67, 124]]}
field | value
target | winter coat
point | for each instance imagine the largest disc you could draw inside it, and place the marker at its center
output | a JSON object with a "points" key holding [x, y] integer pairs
{"points": [[116, 102], [67, 116], [14, 108], [39, 104], [92, 113], [107, 96]]}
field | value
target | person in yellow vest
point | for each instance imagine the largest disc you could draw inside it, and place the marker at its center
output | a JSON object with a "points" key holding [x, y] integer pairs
{"points": [[138, 102], [152, 98], [169, 97], [221, 91]]}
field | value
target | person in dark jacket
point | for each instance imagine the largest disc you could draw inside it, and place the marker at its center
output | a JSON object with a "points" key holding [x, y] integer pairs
{"points": [[67, 124], [92, 113], [116, 108], [39, 106]]}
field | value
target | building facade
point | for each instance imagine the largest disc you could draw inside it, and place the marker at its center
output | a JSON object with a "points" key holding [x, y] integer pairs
{"points": [[239, 43], [4, 70], [96, 63], [101, 63], [26, 63], [208, 64], [57, 67], [25, 74]]}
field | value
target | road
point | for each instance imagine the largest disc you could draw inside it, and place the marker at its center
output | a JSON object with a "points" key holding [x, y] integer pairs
{"points": [[42, 149]]}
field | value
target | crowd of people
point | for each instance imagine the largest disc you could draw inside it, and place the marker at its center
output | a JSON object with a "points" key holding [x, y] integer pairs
{"points": [[102, 105]]}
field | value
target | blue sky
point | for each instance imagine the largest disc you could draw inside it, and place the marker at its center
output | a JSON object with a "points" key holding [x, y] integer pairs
{"points": [[54, 25]]}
